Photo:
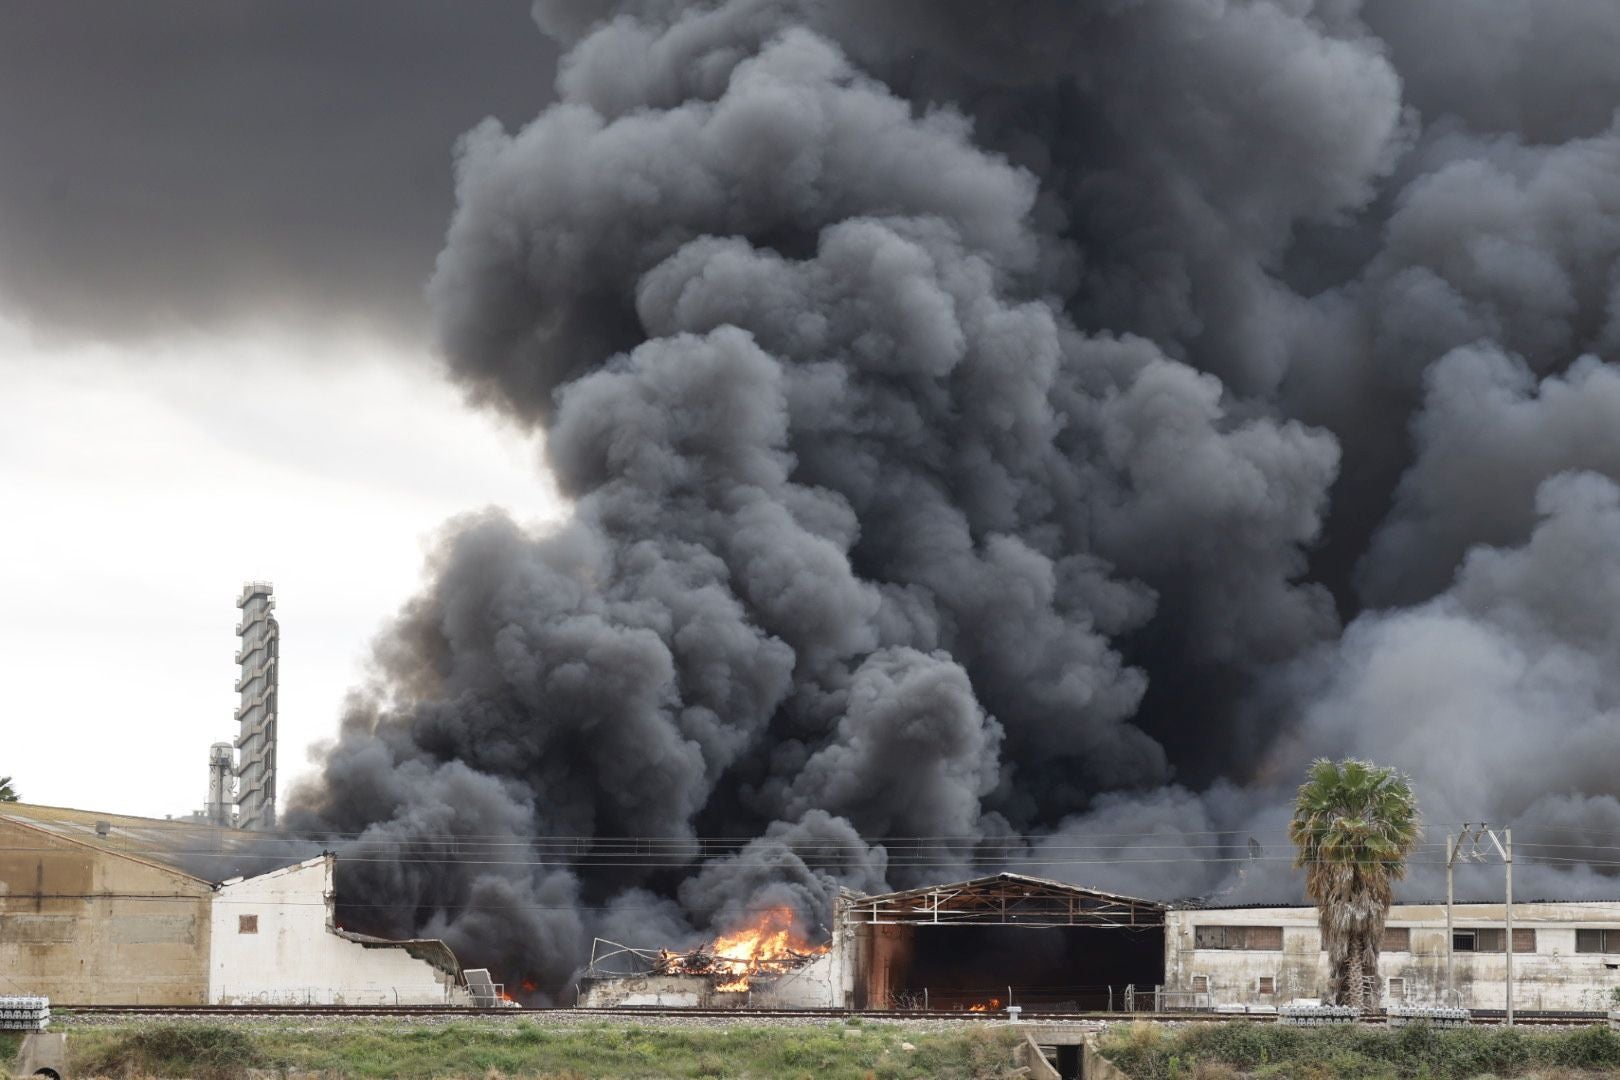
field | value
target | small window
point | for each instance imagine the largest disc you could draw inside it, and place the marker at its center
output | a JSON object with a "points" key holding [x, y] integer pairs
{"points": [[1397, 990], [1266, 984], [1396, 939], [1492, 939], [1595, 941], [1200, 984], [247, 924], [1267, 938]]}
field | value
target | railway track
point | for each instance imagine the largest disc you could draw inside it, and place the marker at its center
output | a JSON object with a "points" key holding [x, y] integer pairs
{"points": [[67, 1010]]}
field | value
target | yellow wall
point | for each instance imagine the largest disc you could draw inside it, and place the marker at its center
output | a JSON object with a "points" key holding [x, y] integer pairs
{"points": [[85, 926]]}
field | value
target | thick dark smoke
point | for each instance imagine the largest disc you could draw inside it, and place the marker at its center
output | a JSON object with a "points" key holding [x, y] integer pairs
{"points": [[1038, 428], [190, 166]]}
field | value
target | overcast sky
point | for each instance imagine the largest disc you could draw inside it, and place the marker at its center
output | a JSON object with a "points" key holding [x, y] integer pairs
{"points": [[215, 222]]}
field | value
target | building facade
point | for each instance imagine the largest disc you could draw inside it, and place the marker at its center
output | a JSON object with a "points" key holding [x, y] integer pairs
{"points": [[274, 942], [114, 910], [80, 925], [1566, 956], [257, 661]]}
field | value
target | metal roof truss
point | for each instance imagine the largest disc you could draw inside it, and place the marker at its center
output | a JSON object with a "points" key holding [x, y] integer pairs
{"points": [[1007, 902]]}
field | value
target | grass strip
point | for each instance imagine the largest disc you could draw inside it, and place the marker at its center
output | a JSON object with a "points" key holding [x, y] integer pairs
{"points": [[1353, 1052], [532, 1050]]}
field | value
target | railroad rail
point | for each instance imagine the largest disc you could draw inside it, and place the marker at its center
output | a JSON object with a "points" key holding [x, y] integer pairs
{"points": [[66, 1011]]}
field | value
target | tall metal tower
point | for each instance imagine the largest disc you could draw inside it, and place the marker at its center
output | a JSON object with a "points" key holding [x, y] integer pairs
{"points": [[258, 659]]}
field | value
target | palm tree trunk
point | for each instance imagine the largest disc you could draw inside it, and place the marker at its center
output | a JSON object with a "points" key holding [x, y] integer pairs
{"points": [[1373, 985], [1353, 985]]}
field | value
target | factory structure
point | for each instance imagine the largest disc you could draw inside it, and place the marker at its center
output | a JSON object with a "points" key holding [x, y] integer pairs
{"points": [[1046, 946], [242, 773], [257, 661]]}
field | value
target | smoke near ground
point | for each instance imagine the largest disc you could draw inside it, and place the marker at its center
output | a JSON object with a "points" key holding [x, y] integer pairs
{"points": [[1040, 431]]}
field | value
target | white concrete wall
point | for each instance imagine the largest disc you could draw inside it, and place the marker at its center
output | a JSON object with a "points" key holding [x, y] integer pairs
{"points": [[669, 991], [1554, 977], [293, 957]]}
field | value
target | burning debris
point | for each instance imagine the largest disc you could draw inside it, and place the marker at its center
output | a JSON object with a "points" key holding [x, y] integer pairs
{"points": [[770, 946], [766, 961]]}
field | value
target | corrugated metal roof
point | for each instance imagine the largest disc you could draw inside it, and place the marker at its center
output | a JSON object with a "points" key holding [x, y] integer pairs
{"points": [[1008, 876], [210, 853]]}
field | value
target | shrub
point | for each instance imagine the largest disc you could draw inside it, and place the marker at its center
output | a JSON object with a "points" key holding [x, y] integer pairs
{"points": [[204, 1052]]}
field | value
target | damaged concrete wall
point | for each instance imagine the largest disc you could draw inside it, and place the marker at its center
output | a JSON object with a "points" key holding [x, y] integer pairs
{"points": [[1548, 971], [669, 991], [273, 943], [85, 926], [884, 961]]}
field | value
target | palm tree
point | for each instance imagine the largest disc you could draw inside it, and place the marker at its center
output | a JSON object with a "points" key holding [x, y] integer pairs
{"points": [[7, 792], [1354, 825]]}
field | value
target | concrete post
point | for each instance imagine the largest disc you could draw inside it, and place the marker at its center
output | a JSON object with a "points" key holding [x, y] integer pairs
{"points": [[1451, 860], [1507, 857]]}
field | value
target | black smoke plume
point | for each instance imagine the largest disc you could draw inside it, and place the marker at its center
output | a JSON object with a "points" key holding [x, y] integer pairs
{"points": [[1039, 428]]}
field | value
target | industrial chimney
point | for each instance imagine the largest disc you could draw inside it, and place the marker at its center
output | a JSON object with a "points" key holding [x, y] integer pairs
{"points": [[256, 712], [221, 784]]}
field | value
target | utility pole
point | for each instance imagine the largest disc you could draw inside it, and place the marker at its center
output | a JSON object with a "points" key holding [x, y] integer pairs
{"points": [[1504, 847], [1454, 850], [1451, 933]]}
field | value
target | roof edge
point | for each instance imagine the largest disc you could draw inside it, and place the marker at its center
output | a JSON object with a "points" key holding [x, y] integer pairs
{"points": [[106, 849], [1008, 875]]}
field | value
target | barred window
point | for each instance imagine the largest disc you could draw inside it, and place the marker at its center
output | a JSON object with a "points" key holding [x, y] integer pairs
{"points": [[1200, 984], [1492, 939], [1397, 990], [1266, 984], [1268, 938], [1396, 939], [247, 924]]}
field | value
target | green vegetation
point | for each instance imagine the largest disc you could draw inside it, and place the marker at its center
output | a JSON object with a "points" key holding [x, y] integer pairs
{"points": [[1351, 1052], [197, 1051], [530, 1050], [10, 1043], [7, 792], [1354, 824]]}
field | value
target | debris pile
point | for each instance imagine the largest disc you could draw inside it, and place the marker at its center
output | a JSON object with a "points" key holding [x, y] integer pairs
{"points": [[769, 946]]}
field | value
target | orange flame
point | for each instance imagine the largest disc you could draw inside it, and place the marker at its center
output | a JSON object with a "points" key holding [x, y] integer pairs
{"points": [[770, 945], [986, 1006], [530, 986]]}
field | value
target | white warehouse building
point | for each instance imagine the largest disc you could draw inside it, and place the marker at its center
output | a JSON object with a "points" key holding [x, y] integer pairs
{"points": [[1566, 956]]}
